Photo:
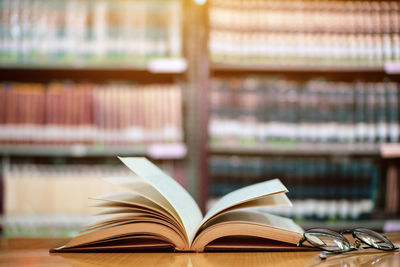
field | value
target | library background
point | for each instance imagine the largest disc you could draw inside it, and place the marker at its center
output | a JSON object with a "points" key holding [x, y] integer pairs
{"points": [[219, 93]]}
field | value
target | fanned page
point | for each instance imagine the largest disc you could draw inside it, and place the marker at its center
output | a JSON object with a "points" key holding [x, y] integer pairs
{"points": [[127, 215], [246, 194], [250, 223], [145, 190], [176, 195]]}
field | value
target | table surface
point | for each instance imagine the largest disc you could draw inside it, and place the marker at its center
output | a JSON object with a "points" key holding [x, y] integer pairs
{"points": [[34, 252]]}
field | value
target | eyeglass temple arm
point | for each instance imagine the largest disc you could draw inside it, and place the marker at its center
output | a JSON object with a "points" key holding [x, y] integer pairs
{"points": [[301, 241]]}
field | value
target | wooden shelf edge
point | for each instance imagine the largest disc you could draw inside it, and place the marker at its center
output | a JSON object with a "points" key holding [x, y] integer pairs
{"points": [[300, 68], [309, 149], [154, 151], [390, 150], [88, 67], [156, 66]]}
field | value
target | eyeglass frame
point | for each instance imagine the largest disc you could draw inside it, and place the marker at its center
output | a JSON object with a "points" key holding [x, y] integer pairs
{"points": [[343, 239]]}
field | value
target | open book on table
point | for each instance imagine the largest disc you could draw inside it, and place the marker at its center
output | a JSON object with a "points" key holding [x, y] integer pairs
{"points": [[155, 213]]}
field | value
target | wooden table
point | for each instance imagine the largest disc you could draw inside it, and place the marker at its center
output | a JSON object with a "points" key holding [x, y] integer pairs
{"points": [[34, 252]]}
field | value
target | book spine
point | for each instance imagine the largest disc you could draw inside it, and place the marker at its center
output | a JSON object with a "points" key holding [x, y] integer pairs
{"points": [[316, 111], [54, 212], [392, 111], [75, 113], [328, 34], [90, 32], [351, 183]]}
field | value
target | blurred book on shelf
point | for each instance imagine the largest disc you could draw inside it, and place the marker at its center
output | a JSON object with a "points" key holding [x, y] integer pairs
{"points": [[321, 188], [392, 190], [257, 109], [89, 33], [305, 33], [322, 210], [84, 113], [52, 200]]}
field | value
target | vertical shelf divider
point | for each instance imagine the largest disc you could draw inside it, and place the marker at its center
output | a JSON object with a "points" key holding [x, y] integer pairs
{"points": [[196, 100]]}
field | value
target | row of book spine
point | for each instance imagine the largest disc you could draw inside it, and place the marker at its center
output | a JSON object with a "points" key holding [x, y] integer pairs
{"points": [[305, 178], [89, 32], [320, 209], [39, 225], [38, 189], [65, 113], [305, 32], [260, 109], [294, 15]]}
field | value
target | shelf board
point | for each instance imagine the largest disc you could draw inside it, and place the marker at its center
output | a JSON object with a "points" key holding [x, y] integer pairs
{"points": [[388, 69], [340, 225], [165, 65], [154, 151], [299, 149], [59, 66], [390, 150]]}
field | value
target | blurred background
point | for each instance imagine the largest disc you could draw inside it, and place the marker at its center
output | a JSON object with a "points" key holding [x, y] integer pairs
{"points": [[218, 93]]}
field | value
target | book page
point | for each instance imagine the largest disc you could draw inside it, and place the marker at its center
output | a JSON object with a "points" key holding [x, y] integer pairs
{"points": [[248, 222], [123, 214], [253, 216], [279, 199], [245, 194], [122, 199], [132, 219], [177, 196], [114, 211], [141, 228], [146, 190]]}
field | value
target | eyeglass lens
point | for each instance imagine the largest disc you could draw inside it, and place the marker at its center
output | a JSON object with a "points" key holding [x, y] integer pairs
{"points": [[328, 242], [373, 239]]}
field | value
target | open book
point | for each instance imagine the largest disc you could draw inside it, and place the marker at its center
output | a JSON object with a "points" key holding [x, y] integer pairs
{"points": [[156, 213]]}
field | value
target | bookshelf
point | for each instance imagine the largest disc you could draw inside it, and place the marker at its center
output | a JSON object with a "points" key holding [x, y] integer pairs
{"points": [[96, 42], [286, 48], [99, 58], [322, 33], [277, 44], [90, 33]]}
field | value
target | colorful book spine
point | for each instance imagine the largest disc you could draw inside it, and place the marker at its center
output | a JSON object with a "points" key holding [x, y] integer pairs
{"points": [[38, 200], [111, 114], [316, 179], [254, 109], [339, 33], [100, 32]]}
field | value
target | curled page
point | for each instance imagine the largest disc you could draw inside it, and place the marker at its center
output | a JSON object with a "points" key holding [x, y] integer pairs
{"points": [[245, 194], [176, 195]]}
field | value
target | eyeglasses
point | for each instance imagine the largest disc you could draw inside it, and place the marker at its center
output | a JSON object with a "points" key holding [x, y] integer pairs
{"points": [[333, 242]]}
